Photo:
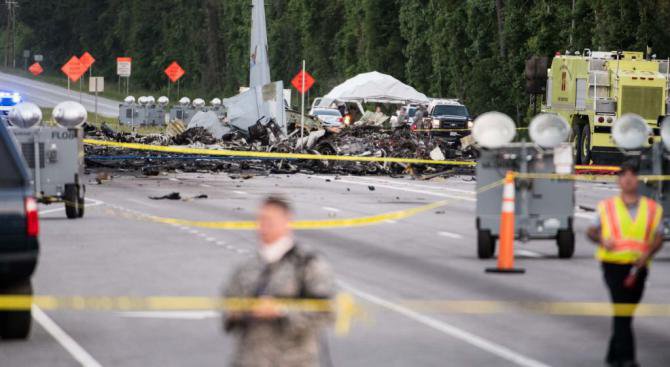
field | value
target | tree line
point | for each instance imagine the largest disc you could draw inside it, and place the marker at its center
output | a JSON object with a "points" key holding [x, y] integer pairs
{"points": [[469, 49]]}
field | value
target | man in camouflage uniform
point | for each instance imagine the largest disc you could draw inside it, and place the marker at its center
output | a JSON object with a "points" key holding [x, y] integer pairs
{"points": [[267, 335]]}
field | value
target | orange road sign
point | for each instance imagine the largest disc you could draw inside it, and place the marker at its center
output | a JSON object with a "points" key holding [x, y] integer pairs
{"points": [[298, 81], [87, 60], [174, 72], [36, 69], [73, 69]]}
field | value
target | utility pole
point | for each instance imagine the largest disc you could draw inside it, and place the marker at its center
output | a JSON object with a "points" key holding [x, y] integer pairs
{"points": [[10, 34]]}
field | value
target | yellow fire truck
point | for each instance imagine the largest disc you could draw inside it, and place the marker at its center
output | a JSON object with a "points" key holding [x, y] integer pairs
{"points": [[592, 89]]}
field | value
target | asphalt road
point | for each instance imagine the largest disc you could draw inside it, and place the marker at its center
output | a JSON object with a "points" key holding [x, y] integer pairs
{"points": [[430, 256], [49, 95]]}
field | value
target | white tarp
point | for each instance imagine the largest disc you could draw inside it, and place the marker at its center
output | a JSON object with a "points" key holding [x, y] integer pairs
{"points": [[376, 87], [246, 108]]}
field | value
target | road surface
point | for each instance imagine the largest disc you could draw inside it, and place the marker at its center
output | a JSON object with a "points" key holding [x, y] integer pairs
{"points": [[430, 256], [49, 95]]}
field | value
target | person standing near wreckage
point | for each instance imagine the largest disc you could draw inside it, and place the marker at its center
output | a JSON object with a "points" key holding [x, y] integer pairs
{"points": [[267, 334], [628, 230]]}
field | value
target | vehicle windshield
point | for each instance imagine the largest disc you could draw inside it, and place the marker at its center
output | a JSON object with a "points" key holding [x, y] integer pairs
{"points": [[411, 112], [451, 110], [327, 113]]}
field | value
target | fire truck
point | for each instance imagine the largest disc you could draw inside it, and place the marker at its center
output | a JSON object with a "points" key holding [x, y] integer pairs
{"points": [[593, 89]]}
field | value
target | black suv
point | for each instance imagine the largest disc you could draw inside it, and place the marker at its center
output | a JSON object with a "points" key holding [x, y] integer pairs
{"points": [[450, 119], [19, 228]]}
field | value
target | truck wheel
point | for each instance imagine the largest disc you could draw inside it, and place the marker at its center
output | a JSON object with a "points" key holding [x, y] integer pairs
{"points": [[81, 192], [565, 239], [585, 145], [71, 198], [486, 244], [15, 325]]}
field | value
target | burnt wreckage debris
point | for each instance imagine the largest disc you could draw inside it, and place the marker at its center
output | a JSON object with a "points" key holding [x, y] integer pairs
{"points": [[356, 141]]}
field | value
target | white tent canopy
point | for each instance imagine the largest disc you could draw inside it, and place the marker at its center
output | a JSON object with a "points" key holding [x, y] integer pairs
{"points": [[375, 87]]}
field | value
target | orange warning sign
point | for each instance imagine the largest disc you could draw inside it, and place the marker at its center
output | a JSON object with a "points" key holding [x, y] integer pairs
{"points": [[174, 72], [36, 69], [87, 60], [73, 69]]}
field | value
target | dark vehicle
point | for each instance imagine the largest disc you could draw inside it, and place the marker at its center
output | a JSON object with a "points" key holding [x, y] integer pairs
{"points": [[19, 228], [451, 116]]}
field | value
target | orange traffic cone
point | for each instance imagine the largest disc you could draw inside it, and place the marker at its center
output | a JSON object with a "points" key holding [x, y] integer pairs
{"points": [[506, 251]]}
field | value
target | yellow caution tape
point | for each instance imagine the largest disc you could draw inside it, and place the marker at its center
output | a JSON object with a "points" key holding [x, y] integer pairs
{"points": [[301, 224], [455, 129], [587, 167], [250, 154], [584, 177], [591, 309], [344, 305]]}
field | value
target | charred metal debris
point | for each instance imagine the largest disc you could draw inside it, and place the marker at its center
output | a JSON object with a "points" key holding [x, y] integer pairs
{"points": [[357, 141]]}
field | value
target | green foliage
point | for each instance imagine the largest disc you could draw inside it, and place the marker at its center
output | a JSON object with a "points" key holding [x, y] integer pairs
{"points": [[444, 48]]}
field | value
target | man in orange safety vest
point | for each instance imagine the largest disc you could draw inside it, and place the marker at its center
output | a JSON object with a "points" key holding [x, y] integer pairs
{"points": [[628, 232]]}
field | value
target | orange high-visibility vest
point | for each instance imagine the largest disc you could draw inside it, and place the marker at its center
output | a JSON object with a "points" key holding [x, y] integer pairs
{"points": [[632, 237]]}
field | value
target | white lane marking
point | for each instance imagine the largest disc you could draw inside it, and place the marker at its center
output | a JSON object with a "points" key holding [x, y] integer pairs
{"points": [[173, 315], [329, 209], [465, 336], [54, 210], [240, 192], [66, 341], [410, 190], [528, 253], [450, 235], [411, 184], [205, 185]]}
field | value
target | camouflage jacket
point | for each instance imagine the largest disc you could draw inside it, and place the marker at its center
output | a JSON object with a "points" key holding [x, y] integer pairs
{"points": [[292, 340]]}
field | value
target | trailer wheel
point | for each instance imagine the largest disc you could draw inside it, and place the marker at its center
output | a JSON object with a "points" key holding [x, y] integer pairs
{"points": [[16, 324], [81, 192], [486, 244], [565, 239], [71, 201], [584, 149]]}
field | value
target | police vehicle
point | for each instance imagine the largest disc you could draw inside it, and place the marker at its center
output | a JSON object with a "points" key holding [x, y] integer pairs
{"points": [[8, 100]]}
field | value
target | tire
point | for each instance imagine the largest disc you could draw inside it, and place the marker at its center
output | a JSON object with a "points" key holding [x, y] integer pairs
{"points": [[71, 198], [578, 143], [81, 202], [15, 325], [486, 244], [565, 239], [584, 148]]}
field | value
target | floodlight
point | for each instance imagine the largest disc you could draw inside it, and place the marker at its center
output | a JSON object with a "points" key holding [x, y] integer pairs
{"points": [[548, 130], [630, 132], [25, 115], [493, 130], [70, 114], [198, 102]]}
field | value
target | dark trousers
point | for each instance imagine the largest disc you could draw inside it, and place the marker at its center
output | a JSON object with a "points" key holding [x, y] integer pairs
{"points": [[622, 343]]}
